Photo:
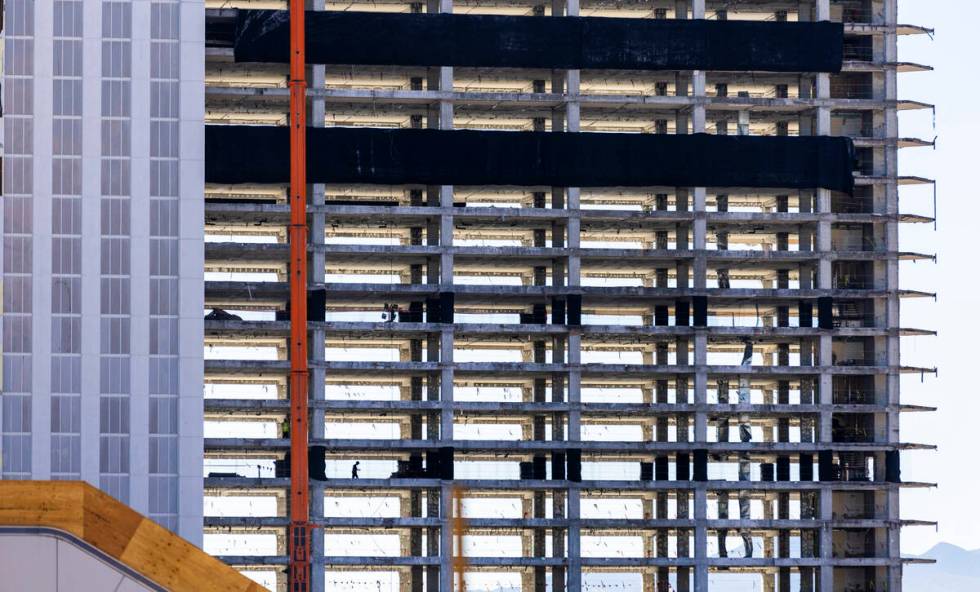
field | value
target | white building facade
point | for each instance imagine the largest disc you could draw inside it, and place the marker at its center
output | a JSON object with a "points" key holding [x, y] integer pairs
{"points": [[102, 251]]}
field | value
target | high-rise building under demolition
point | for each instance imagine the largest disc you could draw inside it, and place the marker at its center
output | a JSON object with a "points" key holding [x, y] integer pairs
{"points": [[577, 295]]}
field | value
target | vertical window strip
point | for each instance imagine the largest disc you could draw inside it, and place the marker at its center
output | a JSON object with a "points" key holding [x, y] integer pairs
{"points": [[164, 264], [115, 350], [17, 248], [66, 233]]}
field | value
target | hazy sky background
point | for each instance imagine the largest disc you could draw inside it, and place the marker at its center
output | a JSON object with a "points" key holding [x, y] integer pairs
{"points": [[955, 162]]}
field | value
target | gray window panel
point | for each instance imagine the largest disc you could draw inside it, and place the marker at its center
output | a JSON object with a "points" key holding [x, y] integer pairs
{"points": [[16, 374], [114, 453], [19, 57], [67, 99], [163, 212], [66, 414], [17, 262], [115, 177], [164, 99], [116, 59], [114, 415], [163, 492], [164, 375], [66, 177], [17, 214], [115, 296], [116, 136], [163, 256], [163, 336], [163, 139], [17, 254], [164, 296], [18, 175], [19, 17], [164, 21], [17, 294], [67, 137], [17, 334], [116, 98], [67, 18], [66, 255], [16, 455], [115, 216], [66, 374], [163, 415], [115, 333], [117, 19], [66, 455], [16, 413], [66, 335], [164, 60], [18, 135], [165, 181], [115, 256], [67, 57], [18, 96], [114, 375], [66, 295], [163, 454], [66, 215]]}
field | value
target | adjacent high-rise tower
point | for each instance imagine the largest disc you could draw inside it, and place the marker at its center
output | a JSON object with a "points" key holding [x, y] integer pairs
{"points": [[103, 181]]}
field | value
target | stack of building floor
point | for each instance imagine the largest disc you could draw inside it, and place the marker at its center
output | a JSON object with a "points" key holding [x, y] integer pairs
{"points": [[644, 259]]}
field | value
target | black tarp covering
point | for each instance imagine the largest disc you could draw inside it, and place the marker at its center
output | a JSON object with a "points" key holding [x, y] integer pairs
{"points": [[393, 39], [260, 154]]}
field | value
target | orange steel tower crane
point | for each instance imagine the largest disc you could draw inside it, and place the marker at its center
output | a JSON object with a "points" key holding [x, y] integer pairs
{"points": [[299, 508]]}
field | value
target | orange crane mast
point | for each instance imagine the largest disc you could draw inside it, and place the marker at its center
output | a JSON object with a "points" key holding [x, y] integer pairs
{"points": [[299, 537]]}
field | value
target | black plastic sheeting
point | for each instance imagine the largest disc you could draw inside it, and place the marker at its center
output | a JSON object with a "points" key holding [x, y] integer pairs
{"points": [[260, 154], [393, 39]]}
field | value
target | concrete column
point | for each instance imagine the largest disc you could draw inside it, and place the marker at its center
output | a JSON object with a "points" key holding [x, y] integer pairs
{"points": [[824, 242], [700, 239], [698, 112], [447, 369], [826, 540], [701, 537], [825, 392], [697, 9], [316, 111], [824, 270], [574, 386], [445, 538], [823, 10], [700, 386], [574, 238], [574, 280], [574, 539], [894, 582]]}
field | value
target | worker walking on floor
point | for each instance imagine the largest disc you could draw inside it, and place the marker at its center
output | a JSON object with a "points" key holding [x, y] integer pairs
{"points": [[354, 470]]}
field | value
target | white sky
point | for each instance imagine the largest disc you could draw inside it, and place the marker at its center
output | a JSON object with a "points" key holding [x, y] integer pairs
{"points": [[954, 427]]}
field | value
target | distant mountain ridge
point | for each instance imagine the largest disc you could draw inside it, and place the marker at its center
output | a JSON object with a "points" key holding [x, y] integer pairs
{"points": [[955, 569]]}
